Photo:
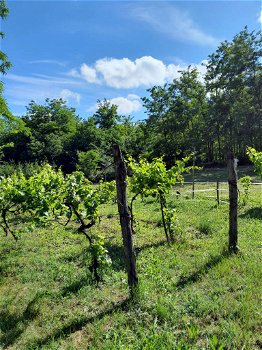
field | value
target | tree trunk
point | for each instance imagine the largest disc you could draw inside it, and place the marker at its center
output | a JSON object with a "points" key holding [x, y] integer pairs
{"points": [[217, 190], [125, 220], [233, 201], [219, 143]]}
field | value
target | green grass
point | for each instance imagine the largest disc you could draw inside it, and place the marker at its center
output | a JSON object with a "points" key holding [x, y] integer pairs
{"points": [[192, 294]]}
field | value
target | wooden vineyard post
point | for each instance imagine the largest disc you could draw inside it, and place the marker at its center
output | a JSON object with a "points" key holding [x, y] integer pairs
{"points": [[125, 219], [217, 193], [193, 173], [233, 202]]}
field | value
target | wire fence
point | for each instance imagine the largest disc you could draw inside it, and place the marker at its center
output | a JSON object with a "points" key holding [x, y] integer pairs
{"points": [[189, 189]]}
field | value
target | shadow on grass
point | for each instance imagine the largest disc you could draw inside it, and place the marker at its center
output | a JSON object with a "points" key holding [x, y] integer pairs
{"points": [[197, 275], [78, 324], [116, 254], [13, 325], [253, 213], [152, 245], [7, 254], [75, 286]]}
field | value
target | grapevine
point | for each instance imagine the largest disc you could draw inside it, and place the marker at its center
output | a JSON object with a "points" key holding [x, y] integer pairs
{"points": [[47, 196], [153, 179], [256, 159]]}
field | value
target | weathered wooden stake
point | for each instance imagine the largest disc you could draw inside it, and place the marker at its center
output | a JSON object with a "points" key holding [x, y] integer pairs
{"points": [[218, 193], [233, 202], [125, 220], [193, 175]]}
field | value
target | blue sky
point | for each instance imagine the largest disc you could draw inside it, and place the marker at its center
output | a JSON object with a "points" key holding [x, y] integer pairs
{"points": [[83, 51]]}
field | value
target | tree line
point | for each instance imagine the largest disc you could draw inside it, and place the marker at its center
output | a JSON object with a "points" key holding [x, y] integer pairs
{"points": [[208, 115]]}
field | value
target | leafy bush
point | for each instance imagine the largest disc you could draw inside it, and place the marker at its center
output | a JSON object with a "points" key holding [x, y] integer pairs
{"points": [[246, 183], [88, 162], [256, 159], [153, 179], [28, 169]]}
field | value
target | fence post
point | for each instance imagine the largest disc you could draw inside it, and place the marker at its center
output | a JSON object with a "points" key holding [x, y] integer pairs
{"points": [[218, 200], [193, 173], [125, 220], [233, 202]]}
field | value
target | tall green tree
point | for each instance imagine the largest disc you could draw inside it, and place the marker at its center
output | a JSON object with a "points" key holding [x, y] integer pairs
{"points": [[176, 116], [234, 81], [5, 114], [256, 158], [106, 114], [52, 127], [5, 64], [9, 125], [95, 137]]}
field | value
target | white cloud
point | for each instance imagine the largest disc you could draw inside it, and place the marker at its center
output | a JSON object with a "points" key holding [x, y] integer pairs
{"points": [[175, 23], [124, 73], [55, 62], [127, 105], [260, 17], [74, 73], [67, 95], [88, 73], [173, 71], [201, 67], [20, 90], [41, 80]]}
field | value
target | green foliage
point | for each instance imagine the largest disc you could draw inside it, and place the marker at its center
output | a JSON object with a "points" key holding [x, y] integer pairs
{"points": [[176, 114], [88, 162], [221, 113], [46, 196], [256, 159], [34, 198], [172, 223], [189, 298], [107, 191], [80, 197], [153, 179], [210, 116], [106, 114], [7, 145], [28, 169], [4, 63], [233, 80], [99, 251], [8, 123], [246, 183], [52, 127]]}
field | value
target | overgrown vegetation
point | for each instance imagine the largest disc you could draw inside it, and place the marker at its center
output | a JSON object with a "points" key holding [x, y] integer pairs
{"points": [[153, 179], [193, 295], [256, 159]]}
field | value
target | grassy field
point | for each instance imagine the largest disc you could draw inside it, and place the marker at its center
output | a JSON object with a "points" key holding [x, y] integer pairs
{"points": [[192, 294]]}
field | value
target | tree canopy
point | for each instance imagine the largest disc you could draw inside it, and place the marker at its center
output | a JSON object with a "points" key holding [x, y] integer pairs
{"points": [[209, 114]]}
